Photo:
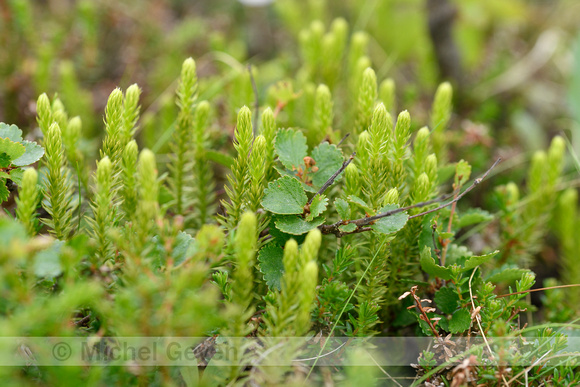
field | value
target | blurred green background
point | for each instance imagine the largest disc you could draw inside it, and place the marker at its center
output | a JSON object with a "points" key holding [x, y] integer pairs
{"points": [[517, 78]]}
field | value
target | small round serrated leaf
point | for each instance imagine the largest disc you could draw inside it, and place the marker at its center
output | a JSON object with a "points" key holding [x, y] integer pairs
{"points": [[12, 149], [295, 225], [342, 208], [446, 299], [317, 207], [460, 321], [328, 160], [272, 265], [390, 224], [47, 262], [284, 196], [291, 148], [11, 132], [32, 154]]}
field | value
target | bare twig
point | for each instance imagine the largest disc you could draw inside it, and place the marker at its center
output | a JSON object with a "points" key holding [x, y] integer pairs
{"points": [[423, 312], [539, 289], [333, 228], [330, 181], [360, 223], [344, 138], [475, 183]]}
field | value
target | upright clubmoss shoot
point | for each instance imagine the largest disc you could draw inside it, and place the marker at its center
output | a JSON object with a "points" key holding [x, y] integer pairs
{"points": [[58, 201], [366, 99], [27, 201], [129, 176], [440, 116], [202, 194], [180, 167], [43, 113], [243, 278], [103, 210], [147, 212], [323, 116], [131, 110], [112, 145], [257, 173], [237, 191], [269, 130], [380, 138]]}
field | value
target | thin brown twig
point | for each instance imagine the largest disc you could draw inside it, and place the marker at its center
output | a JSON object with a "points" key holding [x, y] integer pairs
{"points": [[456, 199], [330, 181], [334, 228], [539, 289], [423, 313], [344, 138]]}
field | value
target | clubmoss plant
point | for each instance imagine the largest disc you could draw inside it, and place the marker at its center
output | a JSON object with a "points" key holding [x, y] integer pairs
{"points": [[237, 192], [28, 200], [350, 227], [103, 209], [440, 115], [58, 201], [182, 138]]}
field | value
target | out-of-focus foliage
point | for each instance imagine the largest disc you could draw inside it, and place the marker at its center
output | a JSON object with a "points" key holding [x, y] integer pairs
{"points": [[273, 184]]}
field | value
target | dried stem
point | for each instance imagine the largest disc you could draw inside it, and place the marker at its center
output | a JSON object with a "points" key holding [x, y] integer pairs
{"points": [[344, 138], [540, 289]]}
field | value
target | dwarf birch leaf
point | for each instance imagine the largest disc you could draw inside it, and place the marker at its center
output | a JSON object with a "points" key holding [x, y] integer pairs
{"points": [[181, 247], [390, 224], [11, 132], [342, 208], [291, 148], [509, 274], [16, 175], [462, 173], [347, 227], [317, 207], [47, 262], [33, 153], [446, 299], [361, 203], [328, 160], [460, 321], [295, 225], [12, 149], [479, 260], [430, 267], [285, 172], [280, 238], [284, 196], [272, 265]]}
